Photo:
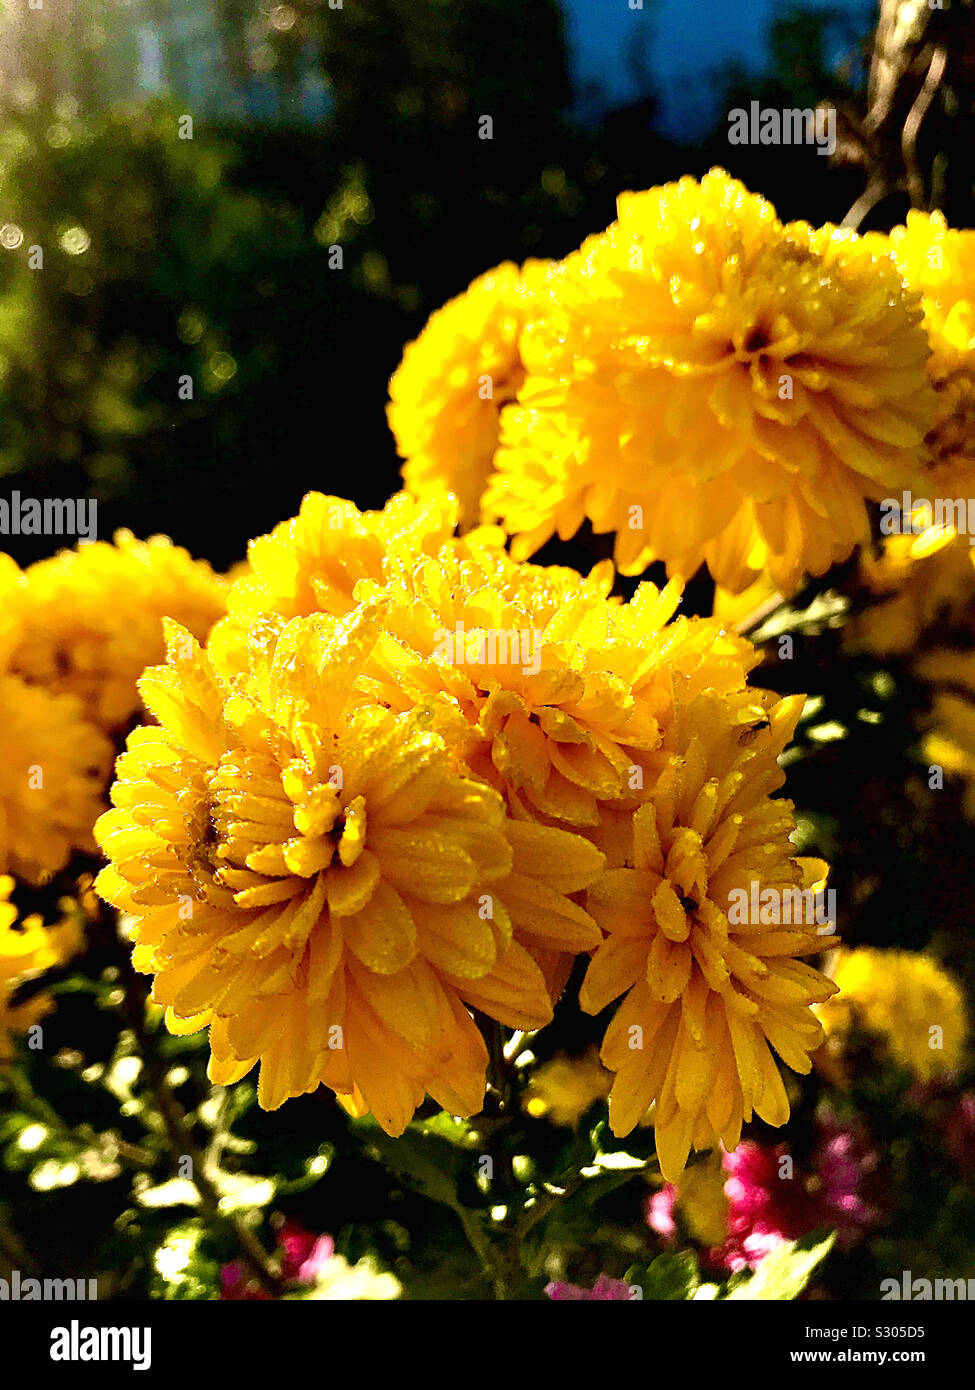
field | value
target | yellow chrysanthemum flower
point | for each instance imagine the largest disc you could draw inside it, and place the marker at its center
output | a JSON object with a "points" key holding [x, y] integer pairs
{"points": [[447, 392], [562, 688], [939, 262], [913, 1005], [710, 983], [913, 580], [715, 387], [312, 562], [562, 1089], [53, 766], [26, 950], [548, 690], [93, 619], [313, 880]]}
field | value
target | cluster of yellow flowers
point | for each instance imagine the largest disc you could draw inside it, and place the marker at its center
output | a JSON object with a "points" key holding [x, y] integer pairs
{"points": [[929, 571], [400, 776], [715, 386], [91, 619], [409, 777], [76, 632], [912, 1006], [922, 583], [709, 383]]}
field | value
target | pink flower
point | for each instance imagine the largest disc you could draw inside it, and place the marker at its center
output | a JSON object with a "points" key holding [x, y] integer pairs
{"points": [[238, 1284], [771, 1201], [303, 1257], [659, 1212], [303, 1254], [845, 1163], [605, 1290]]}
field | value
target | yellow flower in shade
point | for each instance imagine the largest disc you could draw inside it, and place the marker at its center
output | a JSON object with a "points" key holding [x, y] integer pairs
{"points": [[925, 588], [53, 766], [19, 1018], [445, 395], [712, 983], [715, 386], [950, 744], [911, 1003], [93, 619], [26, 950], [563, 1088], [703, 1201], [312, 879], [912, 581], [949, 724], [313, 561], [939, 262], [562, 688]]}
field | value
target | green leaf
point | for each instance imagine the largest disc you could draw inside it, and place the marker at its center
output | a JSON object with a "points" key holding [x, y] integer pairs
{"points": [[786, 1271], [456, 1131], [670, 1278], [424, 1162]]}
